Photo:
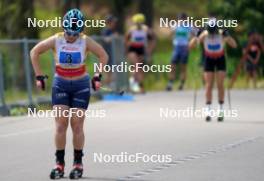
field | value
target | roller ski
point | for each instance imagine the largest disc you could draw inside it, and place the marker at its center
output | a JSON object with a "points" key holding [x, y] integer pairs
{"points": [[76, 172], [208, 118], [220, 117], [57, 172]]}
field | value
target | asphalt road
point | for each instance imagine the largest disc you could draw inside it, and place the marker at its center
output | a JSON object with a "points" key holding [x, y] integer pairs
{"points": [[200, 151]]}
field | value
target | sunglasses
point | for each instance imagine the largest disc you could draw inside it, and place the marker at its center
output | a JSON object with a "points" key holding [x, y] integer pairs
{"points": [[72, 33]]}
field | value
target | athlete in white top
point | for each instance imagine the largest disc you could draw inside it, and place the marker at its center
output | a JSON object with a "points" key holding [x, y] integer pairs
{"points": [[140, 43], [71, 86], [213, 41]]}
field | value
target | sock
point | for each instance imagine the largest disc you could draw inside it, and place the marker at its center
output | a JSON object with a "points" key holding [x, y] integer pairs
{"points": [[78, 154], [60, 156], [170, 83], [221, 105], [208, 103], [208, 108]]}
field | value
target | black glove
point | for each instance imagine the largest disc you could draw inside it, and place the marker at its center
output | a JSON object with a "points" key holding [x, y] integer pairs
{"points": [[96, 78], [42, 78], [226, 33], [199, 32]]}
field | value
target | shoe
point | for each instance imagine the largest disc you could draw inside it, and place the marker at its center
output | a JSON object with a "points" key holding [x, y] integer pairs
{"points": [[208, 118], [169, 87], [57, 172], [134, 87], [220, 117], [77, 171], [180, 87]]}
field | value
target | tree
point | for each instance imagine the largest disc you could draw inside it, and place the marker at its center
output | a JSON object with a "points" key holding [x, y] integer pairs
{"points": [[13, 15], [250, 14], [68, 4], [119, 7], [146, 7]]}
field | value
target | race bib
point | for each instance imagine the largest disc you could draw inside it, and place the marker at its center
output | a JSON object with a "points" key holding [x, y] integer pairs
{"points": [[70, 57]]}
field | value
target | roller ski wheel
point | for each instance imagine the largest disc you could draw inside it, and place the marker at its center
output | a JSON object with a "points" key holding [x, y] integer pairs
{"points": [[169, 88], [180, 88], [57, 172], [208, 118], [220, 118], [133, 85], [76, 172]]}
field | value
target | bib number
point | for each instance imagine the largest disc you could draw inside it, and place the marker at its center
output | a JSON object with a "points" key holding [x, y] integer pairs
{"points": [[70, 57]]}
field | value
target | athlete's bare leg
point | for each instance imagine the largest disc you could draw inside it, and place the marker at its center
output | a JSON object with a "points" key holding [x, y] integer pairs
{"points": [[132, 57], [140, 73], [171, 77], [209, 80], [173, 72], [183, 72], [77, 128], [182, 75], [220, 76], [61, 124]]}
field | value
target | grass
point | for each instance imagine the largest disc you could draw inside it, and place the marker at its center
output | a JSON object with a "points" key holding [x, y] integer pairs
{"points": [[156, 81], [153, 81]]}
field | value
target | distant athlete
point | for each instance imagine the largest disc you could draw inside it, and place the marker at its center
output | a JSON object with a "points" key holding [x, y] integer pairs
{"points": [[140, 43], [108, 33], [252, 53], [250, 58], [180, 54], [71, 86], [214, 40]]}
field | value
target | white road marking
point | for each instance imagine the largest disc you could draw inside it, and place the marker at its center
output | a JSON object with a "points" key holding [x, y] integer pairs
{"points": [[187, 158]]}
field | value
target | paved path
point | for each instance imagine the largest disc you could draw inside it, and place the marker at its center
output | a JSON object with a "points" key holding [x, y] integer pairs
{"points": [[200, 151]]}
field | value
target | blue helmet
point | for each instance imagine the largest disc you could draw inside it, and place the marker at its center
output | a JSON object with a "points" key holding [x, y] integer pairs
{"points": [[73, 21]]}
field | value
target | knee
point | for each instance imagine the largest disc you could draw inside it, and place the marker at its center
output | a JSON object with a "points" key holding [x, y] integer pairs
{"points": [[130, 56], [61, 129], [77, 129], [209, 86]]}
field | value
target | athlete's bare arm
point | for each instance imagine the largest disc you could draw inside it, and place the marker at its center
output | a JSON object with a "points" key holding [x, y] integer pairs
{"points": [[38, 49], [127, 39], [196, 40], [256, 60], [97, 49], [202, 36], [261, 43], [193, 42], [230, 41], [151, 41]]}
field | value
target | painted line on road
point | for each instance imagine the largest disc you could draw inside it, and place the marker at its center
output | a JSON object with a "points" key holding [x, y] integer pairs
{"points": [[191, 157], [25, 132]]}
